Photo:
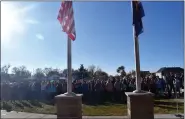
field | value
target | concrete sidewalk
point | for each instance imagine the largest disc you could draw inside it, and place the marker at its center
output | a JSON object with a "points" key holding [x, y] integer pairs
{"points": [[24, 115]]}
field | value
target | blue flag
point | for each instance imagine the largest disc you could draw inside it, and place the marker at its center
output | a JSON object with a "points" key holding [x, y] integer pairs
{"points": [[138, 13]]}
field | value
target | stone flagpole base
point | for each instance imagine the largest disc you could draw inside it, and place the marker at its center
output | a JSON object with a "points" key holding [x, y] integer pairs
{"points": [[69, 106], [140, 105]]}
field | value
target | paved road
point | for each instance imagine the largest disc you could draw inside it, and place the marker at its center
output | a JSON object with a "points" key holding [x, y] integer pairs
{"points": [[24, 115]]}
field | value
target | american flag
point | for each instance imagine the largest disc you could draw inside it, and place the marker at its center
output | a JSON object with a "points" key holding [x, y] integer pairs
{"points": [[66, 19]]}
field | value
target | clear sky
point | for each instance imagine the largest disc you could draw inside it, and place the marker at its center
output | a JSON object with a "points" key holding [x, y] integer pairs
{"points": [[32, 36]]}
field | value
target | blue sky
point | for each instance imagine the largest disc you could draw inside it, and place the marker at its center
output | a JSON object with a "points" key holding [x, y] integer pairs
{"points": [[32, 36]]}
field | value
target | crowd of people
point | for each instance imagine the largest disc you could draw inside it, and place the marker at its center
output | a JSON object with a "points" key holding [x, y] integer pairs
{"points": [[95, 90]]}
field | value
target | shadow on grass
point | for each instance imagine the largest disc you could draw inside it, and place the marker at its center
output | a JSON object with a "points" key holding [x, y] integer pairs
{"points": [[6, 106], [167, 103], [35, 103], [104, 103], [166, 107], [26, 104], [48, 102], [18, 104], [160, 97]]}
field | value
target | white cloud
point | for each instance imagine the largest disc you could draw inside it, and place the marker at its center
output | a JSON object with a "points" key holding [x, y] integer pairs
{"points": [[31, 21], [13, 22], [40, 36]]}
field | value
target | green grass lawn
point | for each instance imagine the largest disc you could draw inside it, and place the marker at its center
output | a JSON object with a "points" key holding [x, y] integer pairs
{"points": [[108, 109]]}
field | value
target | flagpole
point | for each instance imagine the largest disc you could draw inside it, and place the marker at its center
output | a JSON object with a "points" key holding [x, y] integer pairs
{"points": [[137, 61], [69, 82], [69, 68]]}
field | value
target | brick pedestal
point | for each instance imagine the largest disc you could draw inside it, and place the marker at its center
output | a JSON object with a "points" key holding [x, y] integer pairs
{"points": [[69, 107], [140, 105]]}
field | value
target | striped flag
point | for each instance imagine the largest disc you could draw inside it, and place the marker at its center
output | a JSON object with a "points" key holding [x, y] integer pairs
{"points": [[138, 13], [66, 19]]}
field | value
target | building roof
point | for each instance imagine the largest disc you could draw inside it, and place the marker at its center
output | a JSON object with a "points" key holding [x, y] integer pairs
{"points": [[145, 71], [170, 69]]}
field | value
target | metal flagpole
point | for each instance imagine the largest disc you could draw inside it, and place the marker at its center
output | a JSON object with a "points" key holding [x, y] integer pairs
{"points": [[63, 18], [137, 62], [69, 78], [177, 103], [69, 69]]}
